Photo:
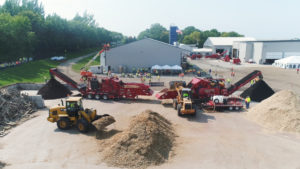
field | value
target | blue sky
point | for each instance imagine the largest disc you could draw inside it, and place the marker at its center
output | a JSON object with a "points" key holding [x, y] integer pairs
{"points": [[262, 19]]}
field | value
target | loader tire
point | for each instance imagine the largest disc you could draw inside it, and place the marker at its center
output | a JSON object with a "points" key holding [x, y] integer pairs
{"points": [[179, 110], [105, 97], [82, 126], [63, 123], [90, 96], [97, 97]]}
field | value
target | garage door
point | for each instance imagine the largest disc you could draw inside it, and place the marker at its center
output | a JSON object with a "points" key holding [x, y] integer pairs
{"points": [[274, 55]]}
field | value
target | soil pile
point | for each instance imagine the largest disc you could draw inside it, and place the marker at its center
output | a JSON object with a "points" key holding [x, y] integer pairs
{"points": [[259, 91], [13, 107], [54, 90], [280, 112], [147, 141]]}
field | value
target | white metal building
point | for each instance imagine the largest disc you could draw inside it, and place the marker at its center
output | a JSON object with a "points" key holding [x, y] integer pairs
{"points": [[144, 53], [221, 44], [265, 51]]}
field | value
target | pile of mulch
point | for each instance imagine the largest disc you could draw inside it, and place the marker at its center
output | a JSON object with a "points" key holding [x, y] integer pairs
{"points": [[101, 123], [148, 141], [258, 92], [13, 107], [54, 90], [280, 112]]}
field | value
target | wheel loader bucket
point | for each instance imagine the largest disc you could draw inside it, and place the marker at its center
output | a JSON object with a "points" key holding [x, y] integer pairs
{"points": [[103, 122]]}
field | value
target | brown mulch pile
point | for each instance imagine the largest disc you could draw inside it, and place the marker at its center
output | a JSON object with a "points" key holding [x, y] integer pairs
{"points": [[280, 112], [148, 141], [13, 107], [101, 123]]}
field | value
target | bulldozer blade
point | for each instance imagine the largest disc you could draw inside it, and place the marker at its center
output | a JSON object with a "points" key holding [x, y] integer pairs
{"points": [[103, 122]]}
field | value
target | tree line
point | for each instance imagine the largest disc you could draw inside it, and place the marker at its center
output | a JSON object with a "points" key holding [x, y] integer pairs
{"points": [[25, 31], [190, 34]]}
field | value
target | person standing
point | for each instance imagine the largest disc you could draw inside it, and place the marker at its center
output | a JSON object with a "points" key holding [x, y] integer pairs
{"points": [[228, 82], [297, 70], [252, 82], [247, 101]]}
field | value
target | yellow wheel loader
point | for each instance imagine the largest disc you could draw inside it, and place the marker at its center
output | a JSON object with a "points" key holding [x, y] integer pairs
{"points": [[183, 102], [73, 114]]}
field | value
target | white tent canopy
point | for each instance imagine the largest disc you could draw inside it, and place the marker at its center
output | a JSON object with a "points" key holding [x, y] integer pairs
{"points": [[166, 67], [176, 67], [292, 62], [156, 67]]}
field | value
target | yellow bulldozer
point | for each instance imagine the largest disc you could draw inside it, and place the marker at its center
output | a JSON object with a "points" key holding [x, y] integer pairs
{"points": [[183, 102], [73, 114]]}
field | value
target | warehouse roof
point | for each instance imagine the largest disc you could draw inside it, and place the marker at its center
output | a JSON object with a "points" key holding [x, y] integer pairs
{"points": [[153, 40], [225, 41], [273, 40]]}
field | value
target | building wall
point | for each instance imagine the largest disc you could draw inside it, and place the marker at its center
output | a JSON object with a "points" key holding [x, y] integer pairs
{"points": [[245, 50], [260, 51], [278, 50], [143, 54], [257, 52]]}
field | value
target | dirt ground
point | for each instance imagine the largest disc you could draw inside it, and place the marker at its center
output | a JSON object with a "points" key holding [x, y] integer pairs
{"points": [[209, 140], [225, 140]]}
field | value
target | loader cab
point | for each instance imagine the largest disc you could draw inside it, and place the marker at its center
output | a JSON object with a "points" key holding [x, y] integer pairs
{"points": [[186, 93], [73, 106]]}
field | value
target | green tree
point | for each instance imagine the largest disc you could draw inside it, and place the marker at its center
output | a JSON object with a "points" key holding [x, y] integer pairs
{"points": [[231, 34], [17, 40], [157, 32]]}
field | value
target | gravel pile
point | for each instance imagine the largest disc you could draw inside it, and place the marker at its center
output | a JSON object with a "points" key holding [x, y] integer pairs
{"points": [[279, 112], [13, 107], [54, 90], [148, 141], [259, 91]]}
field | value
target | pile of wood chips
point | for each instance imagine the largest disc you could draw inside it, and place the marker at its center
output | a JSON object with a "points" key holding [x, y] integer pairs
{"points": [[148, 141], [13, 107]]}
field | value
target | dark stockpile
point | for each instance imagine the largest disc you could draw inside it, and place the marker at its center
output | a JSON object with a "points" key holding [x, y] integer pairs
{"points": [[13, 107], [54, 90], [148, 141], [2, 165], [259, 91]]}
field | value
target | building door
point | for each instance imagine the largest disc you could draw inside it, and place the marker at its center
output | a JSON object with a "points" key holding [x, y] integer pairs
{"points": [[219, 50], [235, 53]]}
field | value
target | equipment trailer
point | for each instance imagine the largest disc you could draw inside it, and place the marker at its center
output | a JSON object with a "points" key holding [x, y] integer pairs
{"points": [[204, 89], [106, 88]]}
